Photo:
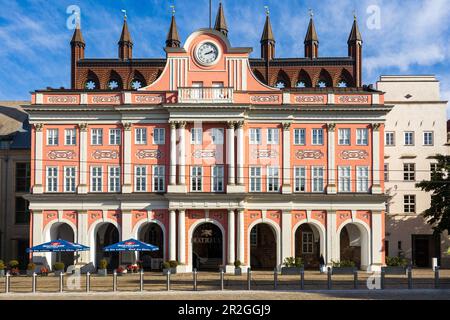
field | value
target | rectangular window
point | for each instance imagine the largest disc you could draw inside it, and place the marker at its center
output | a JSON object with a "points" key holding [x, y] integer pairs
{"points": [[362, 179], [255, 136], [428, 138], [159, 178], [52, 179], [409, 203], [159, 136], [114, 179], [344, 176], [317, 179], [96, 137], [70, 137], [255, 179], [140, 136], [22, 177], [273, 136], [307, 242], [317, 137], [196, 179], [362, 137], [52, 137], [22, 213], [386, 172], [409, 172], [140, 178], [217, 179], [115, 136], [273, 179], [390, 138], [96, 179], [196, 135], [69, 179], [409, 138], [217, 135], [344, 137], [300, 137], [300, 179]]}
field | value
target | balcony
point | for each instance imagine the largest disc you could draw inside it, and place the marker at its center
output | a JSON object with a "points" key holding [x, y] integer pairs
{"points": [[205, 95]]}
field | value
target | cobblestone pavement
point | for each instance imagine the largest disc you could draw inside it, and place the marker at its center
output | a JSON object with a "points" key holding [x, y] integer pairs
{"points": [[208, 286]]}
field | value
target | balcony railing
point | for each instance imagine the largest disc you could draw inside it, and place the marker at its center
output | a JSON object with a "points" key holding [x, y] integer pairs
{"points": [[205, 95]]}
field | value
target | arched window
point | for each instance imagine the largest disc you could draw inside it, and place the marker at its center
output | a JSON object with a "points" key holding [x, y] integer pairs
{"points": [[345, 79], [114, 82], [324, 80], [304, 81], [138, 81], [283, 80]]}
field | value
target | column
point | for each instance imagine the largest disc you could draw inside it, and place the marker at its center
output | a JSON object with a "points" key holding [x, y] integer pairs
{"points": [[82, 234], [287, 188], [240, 152], [127, 171], [332, 189], [377, 242], [37, 234], [182, 146], [240, 236], [230, 152], [231, 242], [376, 154], [172, 235], [82, 187], [173, 153], [331, 253], [182, 236], [286, 234], [38, 149]]}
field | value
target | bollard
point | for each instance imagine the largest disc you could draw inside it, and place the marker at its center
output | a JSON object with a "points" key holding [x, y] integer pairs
{"points": [[382, 278], [302, 279], [115, 281], [141, 281], [436, 278], [275, 279], [195, 279], [355, 279], [168, 280], [88, 281], [8, 282], [61, 282], [329, 278], [33, 283], [221, 279], [409, 277], [249, 278]]}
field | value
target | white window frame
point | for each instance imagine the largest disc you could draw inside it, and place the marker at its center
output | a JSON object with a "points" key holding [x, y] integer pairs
{"points": [[344, 136], [70, 137], [217, 178], [52, 178], [97, 179], [70, 179], [300, 179], [140, 136], [345, 179], [425, 139], [159, 136], [300, 137], [317, 138], [386, 172], [159, 178], [140, 178], [362, 179], [316, 178], [273, 179], [114, 179], [217, 135], [409, 203], [115, 137], [255, 173], [389, 138], [362, 136], [273, 136], [52, 137], [405, 139], [196, 136], [96, 136], [409, 172], [254, 135], [196, 179]]}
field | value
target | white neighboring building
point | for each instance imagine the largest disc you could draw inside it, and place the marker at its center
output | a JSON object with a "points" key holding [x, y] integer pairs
{"points": [[415, 131]]}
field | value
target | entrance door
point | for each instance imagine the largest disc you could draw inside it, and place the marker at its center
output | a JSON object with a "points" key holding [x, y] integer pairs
{"points": [[207, 247], [421, 251]]}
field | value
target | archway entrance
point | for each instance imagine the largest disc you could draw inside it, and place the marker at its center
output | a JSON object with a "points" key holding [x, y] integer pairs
{"points": [[64, 232], [153, 234], [207, 247], [350, 244], [263, 247], [106, 235], [307, 245]]}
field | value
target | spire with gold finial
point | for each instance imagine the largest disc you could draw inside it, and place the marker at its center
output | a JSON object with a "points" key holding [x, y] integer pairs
{"points": [[267, 39], [221, 23], [355, 50], [77, 46], [355, 35], [311, 39], [173, 39], [125, 42]]}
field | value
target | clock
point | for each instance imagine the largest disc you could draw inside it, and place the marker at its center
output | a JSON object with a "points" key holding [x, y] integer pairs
{"points": [[207, 53]]}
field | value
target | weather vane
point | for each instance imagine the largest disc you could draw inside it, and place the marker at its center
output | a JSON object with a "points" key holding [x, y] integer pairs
{"points": [[124, 14], [311, 13], [267, 10], [173, 10], [354, 14]]}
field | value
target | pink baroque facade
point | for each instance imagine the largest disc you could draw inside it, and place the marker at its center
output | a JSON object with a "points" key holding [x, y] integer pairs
{"points": [[212, 165]]}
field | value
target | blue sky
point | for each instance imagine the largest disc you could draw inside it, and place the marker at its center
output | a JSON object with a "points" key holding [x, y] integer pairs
{"points": [[410, 37]]}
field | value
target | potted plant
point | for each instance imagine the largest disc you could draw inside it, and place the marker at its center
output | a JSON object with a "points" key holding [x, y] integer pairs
{"points": [[2, 268], [43, 271], [292, 266], [170, 266], [31, 268], [58, 268], [395, 265], [237, 268], [343, 267], [103, 268], [14, 267]]}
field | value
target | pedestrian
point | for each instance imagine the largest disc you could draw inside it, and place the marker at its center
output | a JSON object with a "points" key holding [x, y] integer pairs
{"points": [[321, 264]]}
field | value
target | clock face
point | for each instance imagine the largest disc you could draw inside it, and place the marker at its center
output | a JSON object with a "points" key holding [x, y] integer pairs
{"points": [[207, 53]]}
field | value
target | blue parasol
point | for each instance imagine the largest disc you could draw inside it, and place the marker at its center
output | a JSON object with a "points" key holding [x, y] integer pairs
{"points": [[58, 246], [130, 245]]}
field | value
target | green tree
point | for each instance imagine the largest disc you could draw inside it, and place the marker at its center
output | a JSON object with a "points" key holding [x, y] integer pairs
{"points": [[438, 215]]}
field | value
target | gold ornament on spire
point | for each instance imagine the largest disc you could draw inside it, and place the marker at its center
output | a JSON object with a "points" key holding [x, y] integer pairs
{"points": [[311, 13], [124, 14], [173, 10], [267, 10]]}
